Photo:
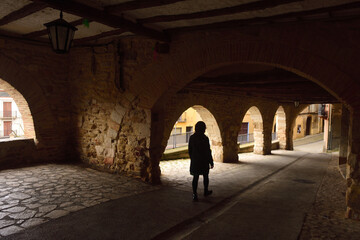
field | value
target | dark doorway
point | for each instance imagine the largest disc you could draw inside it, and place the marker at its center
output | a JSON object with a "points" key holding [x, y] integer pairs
{"points": [[308, 126]]}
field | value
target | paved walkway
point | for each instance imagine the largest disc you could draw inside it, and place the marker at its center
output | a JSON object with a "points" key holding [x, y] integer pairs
{"points": [[70, 202], [34, 195]]}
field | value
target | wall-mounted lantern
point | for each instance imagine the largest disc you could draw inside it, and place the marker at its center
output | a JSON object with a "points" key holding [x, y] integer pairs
{"points": [[61, 33]]}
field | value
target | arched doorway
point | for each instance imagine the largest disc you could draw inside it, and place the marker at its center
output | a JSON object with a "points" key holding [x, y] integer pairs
{"points": [[253, 121], [279, 131], [184, 126]]}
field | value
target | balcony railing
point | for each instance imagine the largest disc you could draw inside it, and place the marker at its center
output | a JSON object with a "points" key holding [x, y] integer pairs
{"points": [[249, 138], [8, 114], [178, 140], [245, 138]]}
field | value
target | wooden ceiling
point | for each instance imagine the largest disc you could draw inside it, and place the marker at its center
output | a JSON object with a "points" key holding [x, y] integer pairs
{"points": [[158, 19]]}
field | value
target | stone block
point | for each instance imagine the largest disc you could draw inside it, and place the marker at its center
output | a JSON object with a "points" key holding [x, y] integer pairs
{"points": [[109, 152], [107, 143], [111, 133], [116, 116], [99, 150], [141, 130], [109, 161], [113, 125]]}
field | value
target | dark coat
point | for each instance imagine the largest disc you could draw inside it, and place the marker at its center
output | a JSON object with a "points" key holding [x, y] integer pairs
{"points": [[200, 154]]}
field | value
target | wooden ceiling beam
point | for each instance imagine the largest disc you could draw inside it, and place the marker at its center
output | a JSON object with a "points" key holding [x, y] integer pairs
{"points": [[44, 31], [139, 4], [263, 20], [252, 6], [23, 12], [105, 18]]}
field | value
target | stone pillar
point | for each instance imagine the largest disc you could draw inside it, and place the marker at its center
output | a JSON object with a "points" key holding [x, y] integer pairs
{"points": [[353, 168], [157, 147], [230, 146], [289, 133], [281, 127], [291, 114], [258, 130], [267, 129], [258, 138], [334, 127], [213, 132], [268, 115], [344, 140]]}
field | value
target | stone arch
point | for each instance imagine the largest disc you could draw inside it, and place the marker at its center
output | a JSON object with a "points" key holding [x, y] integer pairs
{"points": [[208, 52], [29, 130], [257, 119], [49, 144], [281, 127], [213, 131]]}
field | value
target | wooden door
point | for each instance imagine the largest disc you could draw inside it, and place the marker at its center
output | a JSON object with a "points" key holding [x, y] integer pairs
{"points": [[7, 109], [7, 128]]}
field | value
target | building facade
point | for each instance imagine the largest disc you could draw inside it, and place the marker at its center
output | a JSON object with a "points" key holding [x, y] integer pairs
{"points": [[11, 124]]}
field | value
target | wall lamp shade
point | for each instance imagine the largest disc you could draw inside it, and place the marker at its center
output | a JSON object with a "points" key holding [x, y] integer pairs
{"points": [[61, 34], [296, 103]]}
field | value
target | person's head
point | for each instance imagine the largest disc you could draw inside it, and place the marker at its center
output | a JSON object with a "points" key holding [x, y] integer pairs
{"points": [[200, 127]]}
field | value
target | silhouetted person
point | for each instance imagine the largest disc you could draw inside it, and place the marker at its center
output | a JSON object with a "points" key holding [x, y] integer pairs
{"points": [[201, 159]]}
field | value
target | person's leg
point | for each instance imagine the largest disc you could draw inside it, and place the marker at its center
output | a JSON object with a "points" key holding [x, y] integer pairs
{"points": [[195, 185], [206, 182], [206, 185]]}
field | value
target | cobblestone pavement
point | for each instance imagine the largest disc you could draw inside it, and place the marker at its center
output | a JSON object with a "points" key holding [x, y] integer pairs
{"points": [[34, 195], [326, 220]]}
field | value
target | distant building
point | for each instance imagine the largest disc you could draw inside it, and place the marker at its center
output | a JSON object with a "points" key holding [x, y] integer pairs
{"points": [[11, 123], [308, 122]]}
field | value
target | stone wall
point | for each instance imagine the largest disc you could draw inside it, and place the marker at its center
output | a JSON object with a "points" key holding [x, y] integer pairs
{"points": [[37, 79], [17, 152], [109, 129]]}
